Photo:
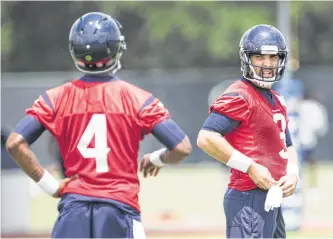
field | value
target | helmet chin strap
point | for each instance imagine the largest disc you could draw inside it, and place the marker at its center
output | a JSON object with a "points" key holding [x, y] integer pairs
{"points": [[262, 84]]}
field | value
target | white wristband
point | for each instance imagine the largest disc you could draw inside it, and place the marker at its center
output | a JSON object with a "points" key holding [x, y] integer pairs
{"points": [[155, 157], [292, 169], [239, 161], [48, 183]]}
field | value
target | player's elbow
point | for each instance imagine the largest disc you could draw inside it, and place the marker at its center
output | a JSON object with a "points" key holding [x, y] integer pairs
{"points": [[184, 148], [206, 139], [202, 140], [13, 143], [180, 152]]}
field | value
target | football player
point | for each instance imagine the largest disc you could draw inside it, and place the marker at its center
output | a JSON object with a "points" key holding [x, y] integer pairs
{"points": [[98, 121], [247, 129]]}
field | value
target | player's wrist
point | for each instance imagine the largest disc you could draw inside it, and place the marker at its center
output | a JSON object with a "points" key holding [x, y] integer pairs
{"points": [[240, 161], [156, 157], [292, 169], [48, 183]]}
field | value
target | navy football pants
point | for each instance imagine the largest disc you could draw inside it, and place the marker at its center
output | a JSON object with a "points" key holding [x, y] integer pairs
{"points": [[247, 218], [86, 219]]}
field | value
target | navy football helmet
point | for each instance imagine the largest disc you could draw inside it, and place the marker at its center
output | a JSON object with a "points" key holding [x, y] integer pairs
{"points": [[96, 43], [259, 40]]}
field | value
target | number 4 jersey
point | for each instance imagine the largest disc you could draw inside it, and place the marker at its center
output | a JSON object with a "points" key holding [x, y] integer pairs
{"points": [[98, 126], [261, 133]]}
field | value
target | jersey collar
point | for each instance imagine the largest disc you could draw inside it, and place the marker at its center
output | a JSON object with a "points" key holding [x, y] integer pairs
{"points": [[98, 78]]}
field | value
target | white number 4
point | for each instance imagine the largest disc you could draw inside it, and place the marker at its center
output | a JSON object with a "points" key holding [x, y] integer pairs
{"points": [[97, 127], [280, 117]]}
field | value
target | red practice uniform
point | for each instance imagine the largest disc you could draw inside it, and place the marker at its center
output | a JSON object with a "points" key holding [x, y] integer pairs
{"points": [[98, 126], [261, 133]]}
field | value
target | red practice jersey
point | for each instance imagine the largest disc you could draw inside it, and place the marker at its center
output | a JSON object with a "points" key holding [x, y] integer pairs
{"points": [[98, 127], [261, 133]]}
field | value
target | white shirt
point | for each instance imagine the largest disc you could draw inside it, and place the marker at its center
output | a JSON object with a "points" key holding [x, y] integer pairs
{"points": [[314, 123]]}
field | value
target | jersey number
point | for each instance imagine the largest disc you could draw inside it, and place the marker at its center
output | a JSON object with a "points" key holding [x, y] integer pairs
{"points": [[97, 127], [280, 117]]}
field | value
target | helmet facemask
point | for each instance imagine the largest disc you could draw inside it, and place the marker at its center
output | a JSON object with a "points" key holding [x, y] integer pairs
{"points": [[248, 68]]}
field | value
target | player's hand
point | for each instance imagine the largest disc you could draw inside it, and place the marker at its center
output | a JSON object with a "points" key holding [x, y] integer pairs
{"points": [[147, 167], [261, 176], [288, 184], [63, 184]]}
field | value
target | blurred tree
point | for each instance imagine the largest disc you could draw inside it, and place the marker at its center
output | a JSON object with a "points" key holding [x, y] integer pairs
{"points": [[159, 34], [39, 34], [184, 34], [313, 32], [6, 30], [316, 33]]}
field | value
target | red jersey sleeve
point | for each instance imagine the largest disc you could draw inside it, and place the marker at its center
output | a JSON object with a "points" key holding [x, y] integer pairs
{"points": [[232, 105], [151, 113], [148, 110], [43, 111]]}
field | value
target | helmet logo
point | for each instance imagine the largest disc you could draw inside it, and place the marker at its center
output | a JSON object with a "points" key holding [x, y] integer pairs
{"points": [[88, 57], [268, 49]]}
